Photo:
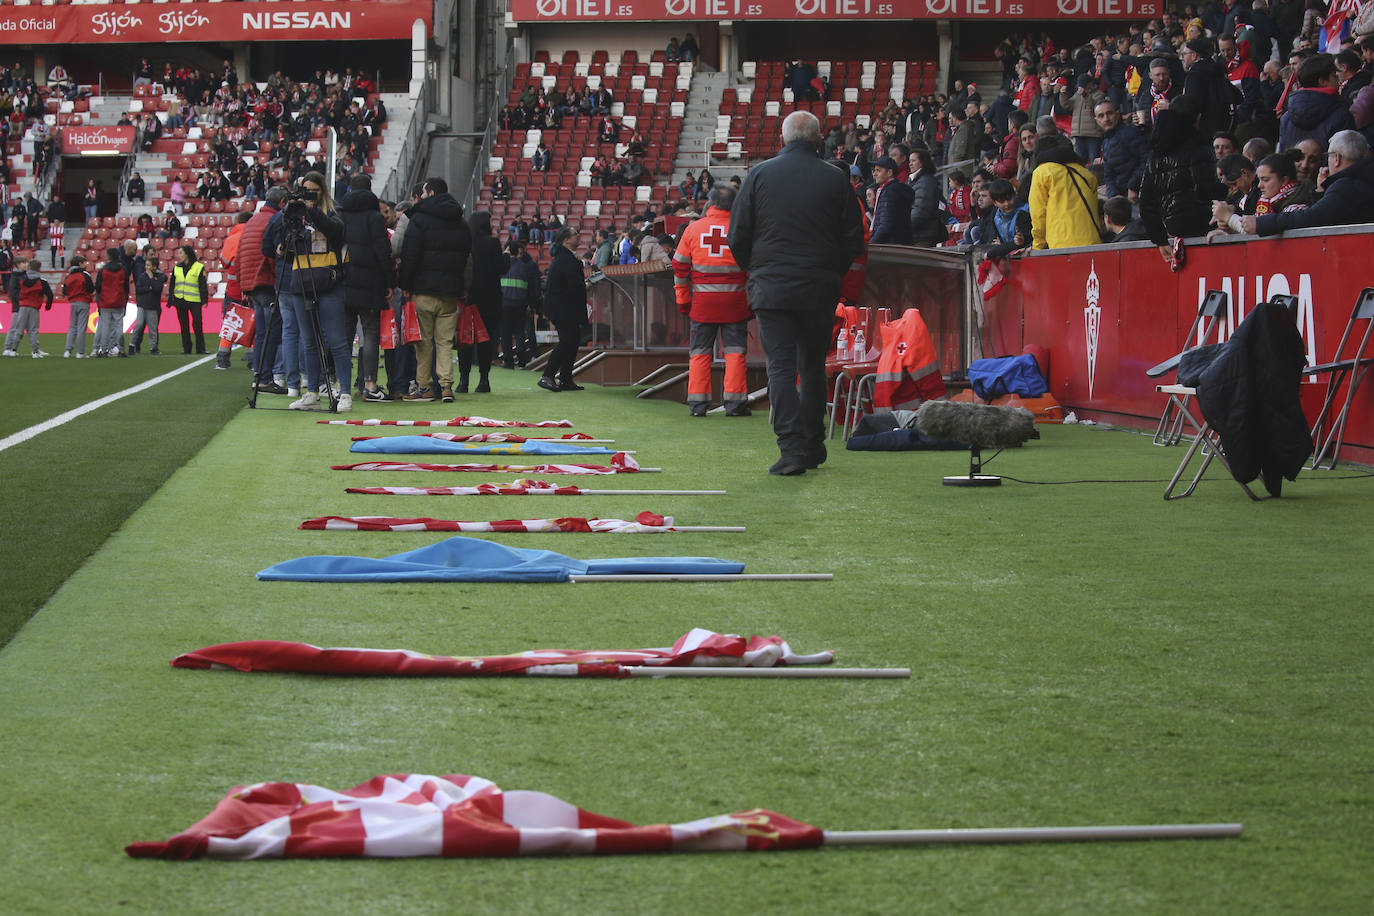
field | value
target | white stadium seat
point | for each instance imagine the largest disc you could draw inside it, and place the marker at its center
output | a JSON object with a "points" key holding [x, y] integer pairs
{"points": [[749, 69]]}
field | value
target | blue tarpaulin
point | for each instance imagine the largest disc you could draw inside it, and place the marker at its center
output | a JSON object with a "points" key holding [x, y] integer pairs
{"points": [[460, 559], [424, 445]]}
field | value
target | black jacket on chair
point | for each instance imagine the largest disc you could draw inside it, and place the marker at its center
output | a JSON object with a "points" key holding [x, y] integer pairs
{"points": [[1247, 389]]}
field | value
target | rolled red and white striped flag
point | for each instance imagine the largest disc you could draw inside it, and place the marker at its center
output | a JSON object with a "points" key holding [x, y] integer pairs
{"points": [[453, 816], [697, 648], [456, 421], [520, 487], [621, 463], [644, 523], [494, 437]]}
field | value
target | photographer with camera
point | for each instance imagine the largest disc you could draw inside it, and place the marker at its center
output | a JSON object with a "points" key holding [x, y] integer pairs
{"points": [[310, 237]]}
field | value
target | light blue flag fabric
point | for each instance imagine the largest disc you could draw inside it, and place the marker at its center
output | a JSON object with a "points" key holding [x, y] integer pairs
{"points": [[424, 445], [460, 559]]}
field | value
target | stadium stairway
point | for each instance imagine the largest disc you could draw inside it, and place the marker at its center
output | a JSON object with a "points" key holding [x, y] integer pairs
{"points": [[699, 122], [400, 109]]}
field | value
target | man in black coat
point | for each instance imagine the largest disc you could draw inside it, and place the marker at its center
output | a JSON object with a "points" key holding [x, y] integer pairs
{"points": [[370, 277], [796, 228], [565, 305], [1205, 82], [434, 257], [891, 206]]}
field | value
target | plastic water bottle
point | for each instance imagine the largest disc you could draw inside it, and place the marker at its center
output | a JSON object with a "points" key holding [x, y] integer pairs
{"points": [[860, 347], [842, 344]]}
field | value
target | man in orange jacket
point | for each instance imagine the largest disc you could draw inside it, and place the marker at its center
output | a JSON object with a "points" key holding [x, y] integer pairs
{"points": [[710, 289]]}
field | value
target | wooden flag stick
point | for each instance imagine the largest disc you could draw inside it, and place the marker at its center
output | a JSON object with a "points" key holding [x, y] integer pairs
{"points": [[707, 577], [1028, 834], [785, 672]]}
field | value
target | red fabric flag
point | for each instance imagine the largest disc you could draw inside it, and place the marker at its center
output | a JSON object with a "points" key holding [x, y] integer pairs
{"points": [[521, 487], [455, 816], [238, 325], [645, 522], [696, 648], [456, 421], [621, 463]]}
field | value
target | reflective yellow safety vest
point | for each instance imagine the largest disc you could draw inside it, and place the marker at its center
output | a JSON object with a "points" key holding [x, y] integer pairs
{"points": [[186, 283]]}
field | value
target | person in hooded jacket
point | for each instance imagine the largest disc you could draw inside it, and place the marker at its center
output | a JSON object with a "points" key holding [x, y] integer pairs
{"points": [[257, 277], [29, 292], [1063, 200], [112, 296], [434, 262], [370, 278], [489, 265], [928, 223], [77, 288], [1180, 180], [519, 303], [1316, 111]]}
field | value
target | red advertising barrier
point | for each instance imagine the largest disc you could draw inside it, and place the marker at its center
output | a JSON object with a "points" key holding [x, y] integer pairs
{"points": [[310, 20], [1108, 314], [690, 10], [56, 319], [88, 140]]}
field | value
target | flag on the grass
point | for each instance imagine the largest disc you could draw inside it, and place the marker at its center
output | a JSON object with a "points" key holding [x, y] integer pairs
{"points": [[453, 816], [427, 445], [644, 523], [460, 559], [521, 487], [456, 421], [621, 463], [489, 437], [698, 648]]}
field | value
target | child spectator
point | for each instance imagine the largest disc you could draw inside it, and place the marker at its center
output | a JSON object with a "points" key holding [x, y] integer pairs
{"points": [[77, 288], [29, 291], [111, 296]]}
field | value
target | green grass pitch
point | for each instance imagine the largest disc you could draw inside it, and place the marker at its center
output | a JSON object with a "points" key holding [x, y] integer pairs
{"points": [[1081, 654]]}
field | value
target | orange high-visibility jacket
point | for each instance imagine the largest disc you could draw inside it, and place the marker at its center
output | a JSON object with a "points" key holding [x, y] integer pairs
{"points": [[908, 369], [709, 285]]}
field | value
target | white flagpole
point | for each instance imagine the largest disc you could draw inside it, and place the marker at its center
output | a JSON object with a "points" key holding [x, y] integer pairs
{"points": [[784, 672], [730, 528], [648, 492], [707, 577], [1028, 834]]}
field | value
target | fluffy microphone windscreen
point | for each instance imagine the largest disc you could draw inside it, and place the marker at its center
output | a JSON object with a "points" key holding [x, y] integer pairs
{"points": [[980, 425]]}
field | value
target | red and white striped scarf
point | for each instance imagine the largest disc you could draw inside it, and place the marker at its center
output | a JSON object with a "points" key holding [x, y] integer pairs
{"points": [[1274, 204], [644, 523], [456, 421]]}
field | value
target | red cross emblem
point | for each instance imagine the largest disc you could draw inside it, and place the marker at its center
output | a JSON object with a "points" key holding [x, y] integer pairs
{"points": [[901, 348], [713, 240]]}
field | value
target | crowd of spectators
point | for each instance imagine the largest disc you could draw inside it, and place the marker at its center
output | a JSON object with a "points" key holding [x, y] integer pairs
{"points": [[1238, 116]]}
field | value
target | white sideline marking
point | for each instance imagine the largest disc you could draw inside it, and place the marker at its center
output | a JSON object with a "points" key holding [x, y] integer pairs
{"points": [[25, 435]]}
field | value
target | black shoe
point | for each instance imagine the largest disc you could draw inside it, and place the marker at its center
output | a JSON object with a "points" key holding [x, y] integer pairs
{"points": [[548, 384], [508, 365], [376, 394], [570, 386], [817, 457], [740, 411], [484, 387], [788, 467], [699, 409], [154, 352], [121, 354], [270, 388], [133, 351]]}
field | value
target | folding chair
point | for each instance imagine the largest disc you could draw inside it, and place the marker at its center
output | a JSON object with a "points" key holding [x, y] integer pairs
{"points": [[1329, 430], [1205, 441], [1170, 428]]}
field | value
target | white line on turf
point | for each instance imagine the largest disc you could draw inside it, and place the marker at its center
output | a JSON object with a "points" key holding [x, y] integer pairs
{"points": [[25, 435]]}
